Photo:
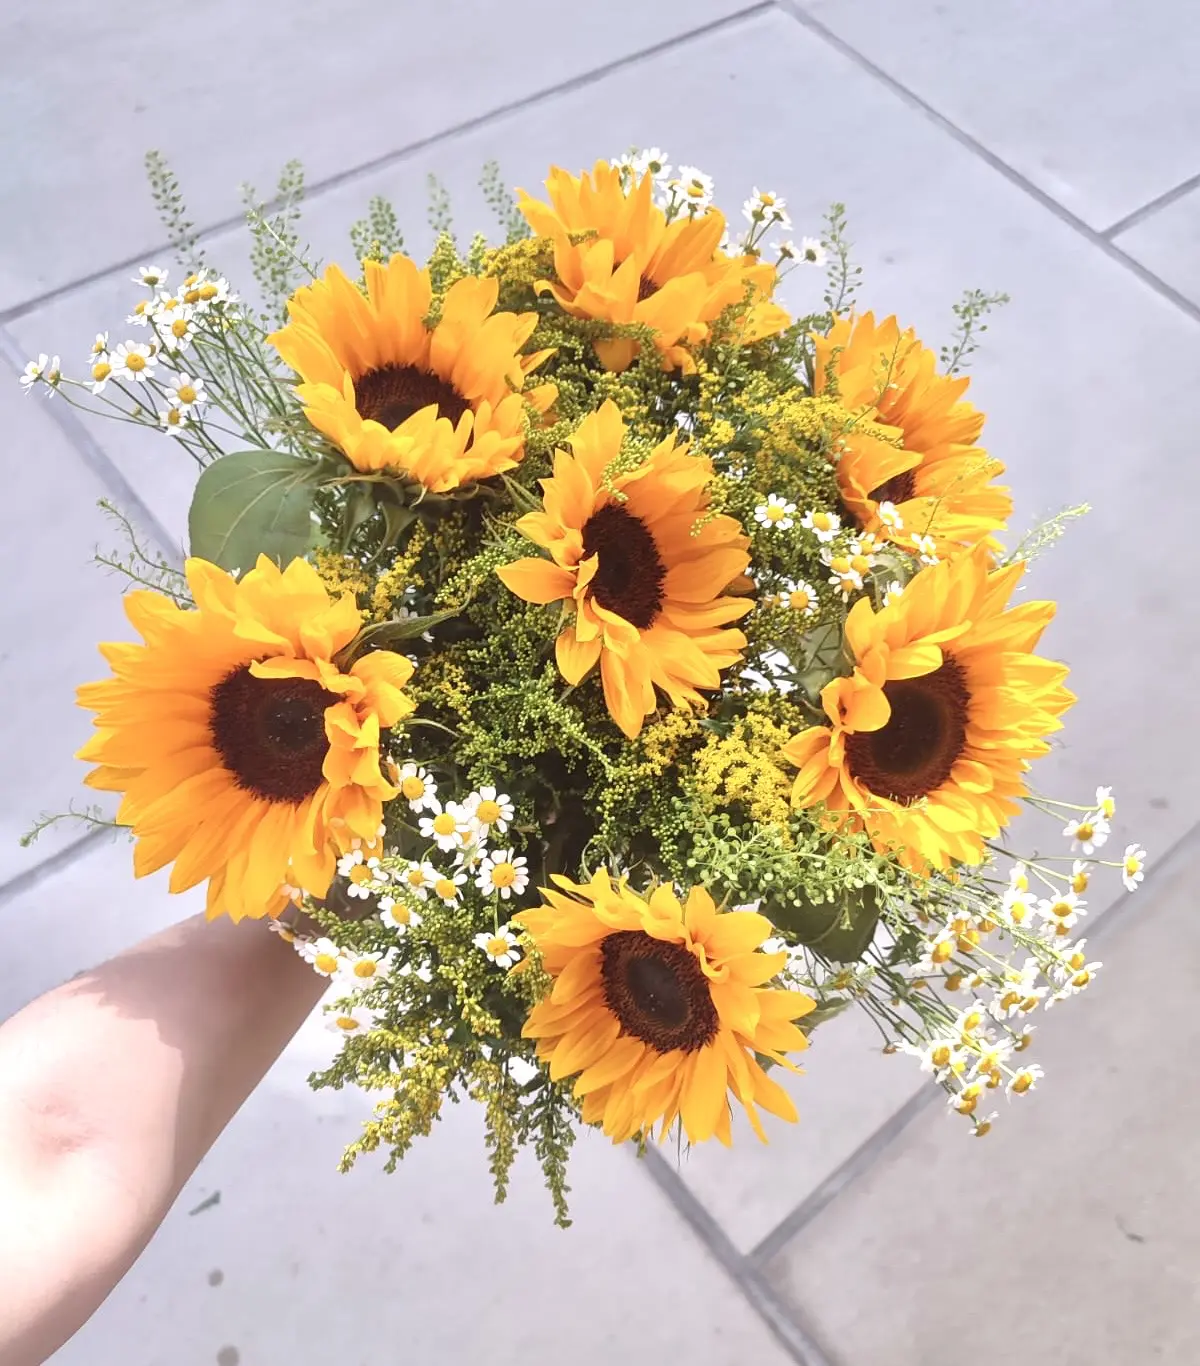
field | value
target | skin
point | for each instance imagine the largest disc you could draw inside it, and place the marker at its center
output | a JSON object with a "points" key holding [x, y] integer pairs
{"points": [[112, 1088]]}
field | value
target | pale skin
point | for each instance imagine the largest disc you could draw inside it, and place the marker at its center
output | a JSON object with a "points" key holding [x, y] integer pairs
{"points": [[112, 1088]]}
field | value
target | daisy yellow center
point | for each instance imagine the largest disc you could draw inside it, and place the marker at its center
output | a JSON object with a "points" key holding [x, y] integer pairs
{"points": [[1023, 1082], [444, 824], [823, 521], [144, 305], [496, 946], [191, 296], [445, 888], [135, 362], [270, 733], [1085, 830], [658, 992], [400, 914], [416, 878], [366, 967], [630, 577], [208, 292], [775, 513], [487, 813], [360, 873], [503, 874], [800, 601], [768, 200], [1079, 881], [99, 348], [940, 1057], [179, 329], [101, 370], [1132, 865], [174, 417], [413, 788], [1060, 908], [347, 1022], [186, 394], [898, 489], [695, 189], [325, 962], [391, 394], [913, 753]]}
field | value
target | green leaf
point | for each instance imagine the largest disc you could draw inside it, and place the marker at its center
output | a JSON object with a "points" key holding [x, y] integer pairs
{"points": [[252, 503], [388, 634], [840, 929]]}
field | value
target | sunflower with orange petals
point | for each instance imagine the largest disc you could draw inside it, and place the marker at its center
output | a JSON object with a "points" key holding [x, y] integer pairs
{"points": [[644, 566], [661, 1009], [913, 442], [930, 737], [444, 405], [247, 754], [617, 259]]}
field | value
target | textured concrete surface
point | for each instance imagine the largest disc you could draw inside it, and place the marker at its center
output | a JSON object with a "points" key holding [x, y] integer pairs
{"points": [[1050, 151]]}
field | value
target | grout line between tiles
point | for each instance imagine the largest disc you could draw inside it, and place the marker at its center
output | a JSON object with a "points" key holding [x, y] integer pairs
{"points": [[366, 168], [96, 458], [28, 878], [792, 1336], [1151, 207], [1097, 239], [865, 1155]]}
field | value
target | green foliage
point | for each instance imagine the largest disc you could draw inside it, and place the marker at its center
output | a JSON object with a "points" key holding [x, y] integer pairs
{"points": [[969, 313], [500, 200], [141, 566], [377, 237], [843, 277], [438, 213], [168, 200], [279, 268], [252, 503]]}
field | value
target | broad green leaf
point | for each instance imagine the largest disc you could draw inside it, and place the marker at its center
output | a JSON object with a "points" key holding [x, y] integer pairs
{"points": [[252, 503], [385, 635], [840, 929]]}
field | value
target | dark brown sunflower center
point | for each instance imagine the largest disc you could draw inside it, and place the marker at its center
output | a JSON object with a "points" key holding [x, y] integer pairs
{"points": [[927, 731], [630, 576], [898, 489], [392, 393], [270, 733], [646, 287], [658, 992]]}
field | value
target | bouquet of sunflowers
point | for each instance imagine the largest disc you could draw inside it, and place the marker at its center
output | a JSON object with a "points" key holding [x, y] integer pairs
{"points": [[601, 676]]}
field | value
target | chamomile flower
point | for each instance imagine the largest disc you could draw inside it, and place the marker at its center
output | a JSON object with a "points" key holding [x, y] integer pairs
{"points": [[101, 374], [812, 252], [489, 810], [1080, 876], [776, 513], [891, 592], [983, 1124], [502, 874], [285, 932], [347, 1019], [652, 160], [1019, 906], [360, 872], [823, 525], [35, 372], [970, 1021], [418, 878], [1026, 1079], [417, 788], [965, 1101], [1133, 866], [150, 276], [133, 361], [172, 420], [889, 515], [176, 327], [1106, 803], [501, 948], [765, 206], [943, 1057], [844, 575], [99, 349], [926, 548], [446, 826], [360, 970], [322, 955], [397, 915], [992, 1055], [446, 888], [694, 188], [786, 250], [143, 311], [800, 597], [1062, 909], [1018, 877], [1086, 835]]}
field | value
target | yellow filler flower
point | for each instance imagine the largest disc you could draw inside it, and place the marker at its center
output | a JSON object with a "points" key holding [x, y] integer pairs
{"points": [[930, 737], [617, 259], [647, 585], [246, 755], [926, 461], [444, 405], [660, 1009]]}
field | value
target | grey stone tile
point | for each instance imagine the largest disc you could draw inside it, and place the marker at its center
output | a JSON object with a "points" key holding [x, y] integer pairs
{"points": [[235, 91], [298, 1263], [1068, 1235], [55, 606], [1165, 242], [1093, 101]]}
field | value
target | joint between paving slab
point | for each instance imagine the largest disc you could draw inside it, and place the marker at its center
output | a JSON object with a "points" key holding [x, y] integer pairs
{"points": [[791, 1335], [29, 878], [399, 154], [1098, 239], [1151, 207]]}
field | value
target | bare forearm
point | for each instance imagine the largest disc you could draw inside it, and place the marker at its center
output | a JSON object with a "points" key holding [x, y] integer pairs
{"points": [[112, 1088]]}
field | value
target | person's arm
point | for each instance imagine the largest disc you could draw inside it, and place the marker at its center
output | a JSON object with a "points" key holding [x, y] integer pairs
{"points": [[112, 1088]]}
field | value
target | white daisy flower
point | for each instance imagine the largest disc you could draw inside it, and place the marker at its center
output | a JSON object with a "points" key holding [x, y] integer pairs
{"points": [[1105, 803], [823, 525], [926, 548], [800, 597], [172, 420], [776, 512], [889, 516], [941, 1057], [418, 878], [150, 276], [360, 970], [417, 788], [1064, 909], [694, 188], [446, 826], [502, 873], [1018, 877], [1086, 835], [812, 253], [983, 1124], [786, 250], [175, 327], [99, 349], [322, 955], [1133, 866], [101, 374], [134, 361], [1026, 1079], [501, 948], [1019, 906], [489, 810], [765, 206], [1081, 875], [285, 932], [142, 313], [34, 372], [652, 160], [892, 592], [397, 915], [347, 1019], [446, 888]]}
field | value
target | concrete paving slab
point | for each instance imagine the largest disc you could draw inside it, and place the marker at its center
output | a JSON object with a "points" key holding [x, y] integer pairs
{"points": [[1093, 101], [1068, 1236]]}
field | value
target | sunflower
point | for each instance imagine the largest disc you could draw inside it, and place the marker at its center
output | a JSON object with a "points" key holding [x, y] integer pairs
{"points": [[660, 1008], [931, 735], [444, 404], [617, 259], [914, 443], [645, 583], [246, 755]]}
